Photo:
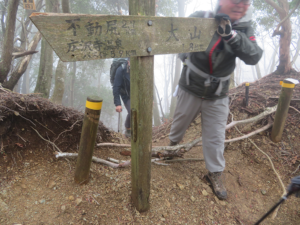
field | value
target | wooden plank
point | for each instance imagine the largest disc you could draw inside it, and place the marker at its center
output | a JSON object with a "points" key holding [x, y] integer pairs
{"points": [[79, 37]]}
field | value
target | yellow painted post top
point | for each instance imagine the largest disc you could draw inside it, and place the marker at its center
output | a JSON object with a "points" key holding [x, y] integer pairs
{"points": [[247, 84], [94, 103], [287, 85]]}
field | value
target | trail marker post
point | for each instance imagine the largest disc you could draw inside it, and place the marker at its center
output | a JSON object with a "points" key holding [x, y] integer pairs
{"points": [[281, 114], [87, 139], [78, 37]]}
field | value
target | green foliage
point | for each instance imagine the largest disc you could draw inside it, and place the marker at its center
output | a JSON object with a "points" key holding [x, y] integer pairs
{"points": [[266, 16]]}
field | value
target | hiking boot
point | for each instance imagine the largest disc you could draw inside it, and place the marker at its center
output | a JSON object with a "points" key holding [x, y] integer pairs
{"points": [[128, 133], [173, 143], [216, 180]]}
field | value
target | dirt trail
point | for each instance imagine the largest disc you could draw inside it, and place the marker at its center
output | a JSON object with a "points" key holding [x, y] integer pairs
{"points": [[37, 188]]}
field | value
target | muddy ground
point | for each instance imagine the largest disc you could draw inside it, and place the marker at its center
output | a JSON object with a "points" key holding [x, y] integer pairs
{"points": [[37, 188]]}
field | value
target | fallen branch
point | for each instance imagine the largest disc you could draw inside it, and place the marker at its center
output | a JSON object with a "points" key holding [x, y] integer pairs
{"points": [[179, 150], [117, 145], [295, 109], [181, 160], [250, 134], [94, 159], [267, 112]]}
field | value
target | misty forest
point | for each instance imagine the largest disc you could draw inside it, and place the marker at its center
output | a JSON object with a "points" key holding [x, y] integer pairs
{"points": [[42, 116]]}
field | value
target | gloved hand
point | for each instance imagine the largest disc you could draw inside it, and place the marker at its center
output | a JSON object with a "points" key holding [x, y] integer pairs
{"points": [[294, 187], [224, 28]]}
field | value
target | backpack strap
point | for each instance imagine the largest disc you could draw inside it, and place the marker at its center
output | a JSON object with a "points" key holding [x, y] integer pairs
{"points": [[209, 78]]}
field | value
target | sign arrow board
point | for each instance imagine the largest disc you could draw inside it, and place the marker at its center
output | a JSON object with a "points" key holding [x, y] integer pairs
{"points": [[79, 37]]}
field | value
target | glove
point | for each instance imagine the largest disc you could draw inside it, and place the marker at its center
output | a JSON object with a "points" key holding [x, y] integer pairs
{"points": [[224, 28], [295, 187]]}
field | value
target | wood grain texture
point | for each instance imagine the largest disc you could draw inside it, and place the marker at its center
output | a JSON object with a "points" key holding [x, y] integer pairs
{"points": [[80, 37]]}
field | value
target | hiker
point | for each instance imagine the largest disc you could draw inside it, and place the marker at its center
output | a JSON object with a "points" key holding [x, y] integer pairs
{"points": [[205, 80], [121, 87]]}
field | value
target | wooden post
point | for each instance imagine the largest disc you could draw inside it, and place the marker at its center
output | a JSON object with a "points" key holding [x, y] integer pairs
{"points": [[87, 139], [141, 96], [282, 110], [247, 94]]}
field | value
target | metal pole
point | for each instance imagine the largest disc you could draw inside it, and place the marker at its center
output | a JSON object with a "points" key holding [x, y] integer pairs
{"points": [[88, 139]]}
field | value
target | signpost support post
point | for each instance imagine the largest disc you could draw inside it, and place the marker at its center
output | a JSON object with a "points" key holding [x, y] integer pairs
{"points": [[141, 96], [140, 36]]}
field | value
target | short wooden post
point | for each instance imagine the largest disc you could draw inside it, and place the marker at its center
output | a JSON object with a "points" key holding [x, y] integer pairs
{"points": [[87, 139], [282, 110], [141, 96], [247, 94]]}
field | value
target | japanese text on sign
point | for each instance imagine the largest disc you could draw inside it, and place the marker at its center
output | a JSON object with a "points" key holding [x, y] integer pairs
{"points": [[29, 4]]}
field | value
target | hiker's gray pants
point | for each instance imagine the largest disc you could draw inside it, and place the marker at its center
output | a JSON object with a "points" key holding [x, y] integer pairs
{"points": [[127, 121], [214, 115]]}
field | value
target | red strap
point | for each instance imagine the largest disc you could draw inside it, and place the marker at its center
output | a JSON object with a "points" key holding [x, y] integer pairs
{"points": [[210, 55], [252, 38]]}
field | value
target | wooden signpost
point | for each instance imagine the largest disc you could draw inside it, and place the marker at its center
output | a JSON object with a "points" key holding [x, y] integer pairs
{"points": [[76, 37]]}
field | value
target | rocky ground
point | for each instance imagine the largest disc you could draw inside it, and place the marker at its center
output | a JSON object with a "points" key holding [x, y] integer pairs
{"points": [[37, 188]]}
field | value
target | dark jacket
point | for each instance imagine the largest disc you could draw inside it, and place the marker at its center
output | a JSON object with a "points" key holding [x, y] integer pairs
{"points": [[219, 59], [121, 85]]}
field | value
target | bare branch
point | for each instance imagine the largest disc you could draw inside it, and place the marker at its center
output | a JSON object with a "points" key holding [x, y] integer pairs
{"points": [[268, 111], [250, 134], [276, 31], [275, 6], [21, 54]]}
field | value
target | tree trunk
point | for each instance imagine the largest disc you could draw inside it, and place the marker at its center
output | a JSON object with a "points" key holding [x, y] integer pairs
{"points": [[25, 85], [59, 82], [160, 104], [43, 84], [155, 109], [17, 87], [258, 71], [253, 73], [297, 51], [175, 83], [65, 6], [2, 17], [72, 85], [285, 34], [18, 72], [273, 61], [8, 44], [61, 69]]}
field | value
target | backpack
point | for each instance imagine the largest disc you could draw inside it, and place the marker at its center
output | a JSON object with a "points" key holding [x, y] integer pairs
{"points": [[114, 66]]}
